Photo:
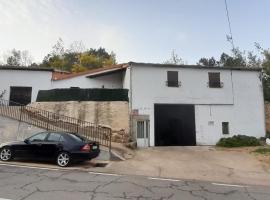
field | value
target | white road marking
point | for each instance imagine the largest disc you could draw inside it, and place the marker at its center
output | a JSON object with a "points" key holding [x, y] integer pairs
{"points": [[98, 173], [30, 167], [229, 185], [163, 179], [4, 199]]}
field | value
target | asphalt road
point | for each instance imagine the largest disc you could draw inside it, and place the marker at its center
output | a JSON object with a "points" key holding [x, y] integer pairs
{"points": [[25, 183]]}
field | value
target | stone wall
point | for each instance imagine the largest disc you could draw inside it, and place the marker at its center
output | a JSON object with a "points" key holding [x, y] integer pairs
{"points": [[11, 130], [114, 114]]}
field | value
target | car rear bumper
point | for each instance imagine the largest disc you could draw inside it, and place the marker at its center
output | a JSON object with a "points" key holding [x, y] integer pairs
{"points": [[85, 155]]}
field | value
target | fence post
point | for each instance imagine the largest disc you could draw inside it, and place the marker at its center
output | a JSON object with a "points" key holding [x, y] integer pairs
{"points": [[20, 113], [110, 145], [48, 119], [78, 126]]}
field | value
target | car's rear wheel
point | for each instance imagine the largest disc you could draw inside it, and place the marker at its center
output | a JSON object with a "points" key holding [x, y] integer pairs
{"points": [[63, 159], [6, 154]]}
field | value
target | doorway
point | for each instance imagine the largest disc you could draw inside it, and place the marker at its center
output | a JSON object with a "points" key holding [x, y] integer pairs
{"points": [[174, 125]]}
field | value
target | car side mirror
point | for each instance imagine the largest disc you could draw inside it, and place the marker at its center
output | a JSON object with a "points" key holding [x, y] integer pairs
{"points": [[26, 141]]}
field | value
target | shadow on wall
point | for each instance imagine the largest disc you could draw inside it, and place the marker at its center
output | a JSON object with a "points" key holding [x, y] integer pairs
{"points": [[12, 130]]}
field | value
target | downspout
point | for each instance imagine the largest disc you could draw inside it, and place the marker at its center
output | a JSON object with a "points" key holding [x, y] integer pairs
{"points": [[232, 87], [263, 102], [130, 103]]}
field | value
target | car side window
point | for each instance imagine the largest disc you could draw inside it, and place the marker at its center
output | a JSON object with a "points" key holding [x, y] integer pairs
{"points": [[38, 137], [54, 137], [62, 139]]}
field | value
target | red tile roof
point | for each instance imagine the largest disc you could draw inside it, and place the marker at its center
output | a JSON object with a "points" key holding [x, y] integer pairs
{"points": [[65, 75]]}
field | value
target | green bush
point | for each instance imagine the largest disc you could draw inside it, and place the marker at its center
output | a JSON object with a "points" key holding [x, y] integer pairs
{"points": [[238, 141]]}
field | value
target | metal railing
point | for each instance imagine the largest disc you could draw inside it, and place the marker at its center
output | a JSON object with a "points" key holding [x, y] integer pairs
{"points": [[55, 122]]}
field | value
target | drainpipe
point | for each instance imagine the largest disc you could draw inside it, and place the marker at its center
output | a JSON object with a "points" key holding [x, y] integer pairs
{"points": [[232, 87], [130, 103]]}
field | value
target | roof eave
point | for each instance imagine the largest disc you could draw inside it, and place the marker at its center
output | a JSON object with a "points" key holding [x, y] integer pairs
{"points": [[197, 66]]}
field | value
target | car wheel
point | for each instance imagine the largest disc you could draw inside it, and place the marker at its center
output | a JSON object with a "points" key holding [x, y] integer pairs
{"points": [[63, 159], [6, 154]]}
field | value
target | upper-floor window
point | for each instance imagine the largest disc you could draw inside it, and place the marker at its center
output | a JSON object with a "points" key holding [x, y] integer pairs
{"points": [[172, 79], [214, 80]]}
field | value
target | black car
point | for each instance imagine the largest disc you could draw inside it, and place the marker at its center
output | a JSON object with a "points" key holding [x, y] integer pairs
{"points": [[61, 147]]}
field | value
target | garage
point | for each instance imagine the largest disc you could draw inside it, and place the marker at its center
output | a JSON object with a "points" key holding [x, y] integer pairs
{"points": [[174, 125]]}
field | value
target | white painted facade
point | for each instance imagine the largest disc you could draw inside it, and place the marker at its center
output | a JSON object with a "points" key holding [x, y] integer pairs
{"points": [[38, 80], [239, 102], [110, 81]]}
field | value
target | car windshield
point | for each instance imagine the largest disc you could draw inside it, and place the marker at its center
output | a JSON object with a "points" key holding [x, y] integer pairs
{"points": [[77, 137]]}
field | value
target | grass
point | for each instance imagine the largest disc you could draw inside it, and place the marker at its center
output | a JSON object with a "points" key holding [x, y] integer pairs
{"points": [[263, 150], [239, 141]]}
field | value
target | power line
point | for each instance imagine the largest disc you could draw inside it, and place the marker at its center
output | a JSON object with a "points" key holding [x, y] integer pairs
{"points": [[229, 37]]}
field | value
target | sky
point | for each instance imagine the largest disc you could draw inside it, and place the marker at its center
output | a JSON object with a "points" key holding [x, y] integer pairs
{"points": [[136, 30]]}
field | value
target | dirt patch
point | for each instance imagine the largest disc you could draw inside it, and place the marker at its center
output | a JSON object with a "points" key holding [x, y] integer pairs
{"points": [[264, 159]]}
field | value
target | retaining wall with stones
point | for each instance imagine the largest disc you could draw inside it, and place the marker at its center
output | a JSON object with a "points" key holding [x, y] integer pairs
{"points": [[114, 114]]}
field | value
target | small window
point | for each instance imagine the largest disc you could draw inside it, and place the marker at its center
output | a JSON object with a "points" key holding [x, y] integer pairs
{"points": [[225, 128], [172, 79], [140, 129], [54, 137], [214, 80]]}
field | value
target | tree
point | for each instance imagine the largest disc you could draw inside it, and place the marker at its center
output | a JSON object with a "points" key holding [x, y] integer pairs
{"points": [[76, 58], [26, 58], [175, 59], [266, 73], [237, 58], [58, 49], [208, 62], [76, 68], [89, 61], [15, 58], [76, 47], [19, 58]]}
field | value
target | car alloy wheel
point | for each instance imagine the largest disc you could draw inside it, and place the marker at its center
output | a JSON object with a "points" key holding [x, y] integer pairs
{"points": [[5, 154], [63, 159]]}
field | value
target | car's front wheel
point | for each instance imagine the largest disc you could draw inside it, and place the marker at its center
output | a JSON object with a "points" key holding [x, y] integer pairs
{"points": [[6, 154], [63, 159]]}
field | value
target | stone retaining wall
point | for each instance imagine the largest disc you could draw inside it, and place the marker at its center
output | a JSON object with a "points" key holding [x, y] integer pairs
{"points": [[110, 113]]}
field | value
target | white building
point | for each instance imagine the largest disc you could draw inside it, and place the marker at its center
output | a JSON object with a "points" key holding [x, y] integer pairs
{"points": [[188, 105], [172, 104], [21, 84], [192, 105]]}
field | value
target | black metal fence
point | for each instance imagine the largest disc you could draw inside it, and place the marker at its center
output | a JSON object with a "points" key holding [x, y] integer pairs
{"points": [[80, 94], [55, 122]]}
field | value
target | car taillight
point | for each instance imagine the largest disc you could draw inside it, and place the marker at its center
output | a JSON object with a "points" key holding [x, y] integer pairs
{"points": [[86, 148]]}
